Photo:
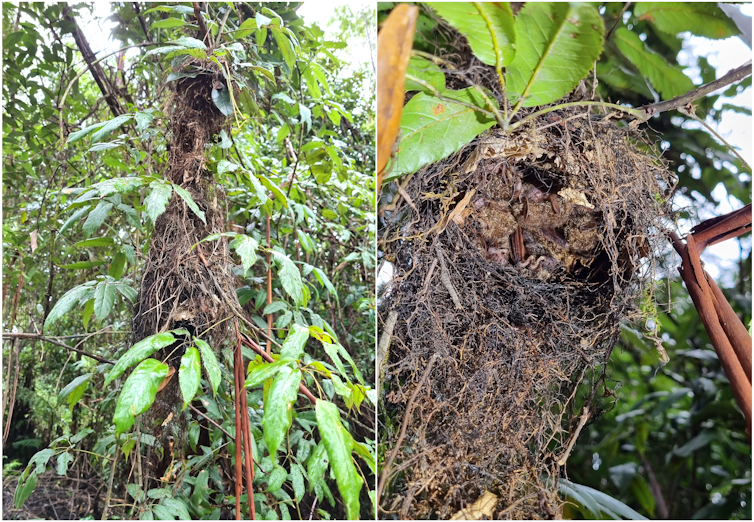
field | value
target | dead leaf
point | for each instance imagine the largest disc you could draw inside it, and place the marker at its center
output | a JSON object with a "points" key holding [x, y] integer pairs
{"points": [[394, 43], [33, 241], [576, 197], [166, 380], [484, 507]]}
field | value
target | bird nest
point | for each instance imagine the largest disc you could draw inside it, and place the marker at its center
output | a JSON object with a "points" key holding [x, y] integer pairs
{"points": [[515, 261]]}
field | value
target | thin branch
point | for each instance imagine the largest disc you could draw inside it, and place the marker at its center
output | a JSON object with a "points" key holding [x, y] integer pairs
{"points": [[56, 343], [681, 101], [688, 111], [214, 423]]}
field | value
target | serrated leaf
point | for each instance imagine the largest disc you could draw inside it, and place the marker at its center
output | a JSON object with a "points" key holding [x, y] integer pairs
{"points": [[186, 196], [246, 248], [110, 126], [294, 343], [426, 71], [63, 460], [209, 359], [222, 100], [276, 479], [335, 438], [104, 298], [138, 352], [97, 217], [189, 375], [75, 389], [138, 393], [433, 129], [157, 200], [291, 279], [668, 80], [702, 19], [277, 407], [488, 27], [557, 44], [66, 303]]}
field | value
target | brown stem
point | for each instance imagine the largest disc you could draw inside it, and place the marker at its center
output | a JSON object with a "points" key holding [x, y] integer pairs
{"points": [[258, 349], [735, 330], [679, 101], [718, 229], [269, 287], [662, 506], [248, 455], [239, 469], [202, 25]]}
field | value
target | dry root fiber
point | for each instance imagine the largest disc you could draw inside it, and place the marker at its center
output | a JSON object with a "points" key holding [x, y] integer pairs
{"points": [[516, 259], [183, 287]]}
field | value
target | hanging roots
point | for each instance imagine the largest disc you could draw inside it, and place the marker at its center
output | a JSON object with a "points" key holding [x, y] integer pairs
{"points": [[516, 260]]}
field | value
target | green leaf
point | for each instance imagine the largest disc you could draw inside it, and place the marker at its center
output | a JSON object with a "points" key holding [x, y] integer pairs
{"points": [[224, 166], [110, 126], [246, 247], [158, 199], [189, 375], [97, 217], [604, 502], [335, 438], [138, 352], [117, 266], [264, 371], [276, 478], [24, 490], [82, 264], [642, 493], [66, 303], [73, 219], [245, 29], [138, 393], [432, 129], [191, 43], [285, 46], [668, 80], [75, 136], [293, 346], [177, 508], [222, 100], [75, 389], [186, 196], [291, 279], [296, 476], [702, 19], [104, 298], [277, 407], [317, 464], [95, 242], [87, 314], [698, 442], [274, 307], [210, 363], [557, 44], [426, 71], [167, 23], [279, 195], [306, 115], [63, 460], [488, 27], [322, 277], [126, 291]]}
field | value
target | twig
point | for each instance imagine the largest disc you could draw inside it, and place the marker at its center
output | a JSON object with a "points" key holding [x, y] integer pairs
{"points": [[110, 484], [57, 343], [445, 278], [404, 425], [384, 345], [689, 111], [200, 20], [214, 423], [582, 421]]}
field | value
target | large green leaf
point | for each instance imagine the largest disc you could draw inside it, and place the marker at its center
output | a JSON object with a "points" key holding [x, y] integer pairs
{"points": [[700, 18], [210, 363], [597, 501], [291, 279], [336, 440], [75, 136], [246, 247], [278, 407], [426, 71], [222, 100], [668, 80], [24, 489], [138, 352], [557, 44], [190, 375], [75, 389], [104, 298], [110, 126], [138, 393], [97, 217], [293, 346], [186, 196], [158, 199], [76, 216], [488, 27], [284, 45], [432, 129], [67, 302]]}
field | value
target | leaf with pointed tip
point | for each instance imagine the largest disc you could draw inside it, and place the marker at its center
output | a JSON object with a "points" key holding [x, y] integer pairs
{"points": [[294, 344], [97, 217], [67, 302], [277, 407], [138, 393], [104, 298], [110, 126], [210, 363], [157, 200], [189, 375], [246, 247], [186, 196], [138, 352]]}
